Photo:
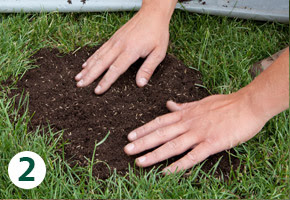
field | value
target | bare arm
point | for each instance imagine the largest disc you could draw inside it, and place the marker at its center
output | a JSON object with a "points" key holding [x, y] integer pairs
{"points": [[269, 92]]}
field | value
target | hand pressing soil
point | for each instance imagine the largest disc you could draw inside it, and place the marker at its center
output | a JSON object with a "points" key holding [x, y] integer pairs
{"points": [[87, 118]]}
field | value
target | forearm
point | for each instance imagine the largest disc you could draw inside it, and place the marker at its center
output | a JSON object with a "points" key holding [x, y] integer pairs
{"points": [[159, 8], [269, 92]]}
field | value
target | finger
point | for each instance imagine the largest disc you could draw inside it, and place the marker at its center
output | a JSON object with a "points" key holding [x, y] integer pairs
{"points": [[149, 65], [158, 122], [99, 53], [91, 73], [92, 59], [156, 138], [168, 150], [121, 64], [172, 106], [198, 154]]}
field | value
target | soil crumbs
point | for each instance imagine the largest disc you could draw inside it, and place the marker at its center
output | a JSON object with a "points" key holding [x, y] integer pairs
{"points": [[87, 118]]}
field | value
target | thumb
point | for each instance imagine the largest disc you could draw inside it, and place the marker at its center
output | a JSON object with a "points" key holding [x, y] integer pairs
{"points": [[173, 106]]}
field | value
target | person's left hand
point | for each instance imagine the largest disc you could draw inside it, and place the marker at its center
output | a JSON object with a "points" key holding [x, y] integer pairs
{"points": [[208, 126]]}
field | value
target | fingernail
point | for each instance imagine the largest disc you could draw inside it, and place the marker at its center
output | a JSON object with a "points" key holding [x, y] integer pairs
{"points": [[98, 89], [143, 81], [141, 159], [132, 136], [79, 76], [130, 147], [85, 64], [80, 83]]}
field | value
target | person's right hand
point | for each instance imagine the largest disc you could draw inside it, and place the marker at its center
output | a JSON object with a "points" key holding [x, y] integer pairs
{"points": [[145, 35]]}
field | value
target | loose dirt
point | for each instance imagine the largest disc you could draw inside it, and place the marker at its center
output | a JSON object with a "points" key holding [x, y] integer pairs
{"points": [[70, 2], [87, 118]]}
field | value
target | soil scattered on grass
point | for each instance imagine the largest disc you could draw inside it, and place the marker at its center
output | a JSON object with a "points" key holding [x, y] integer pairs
{"points": [[70, 2], [200, 1], [87, 118]]}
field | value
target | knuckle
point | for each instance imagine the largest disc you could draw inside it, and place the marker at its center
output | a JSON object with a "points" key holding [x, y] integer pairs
{"points": [[172, 145], [131, 54], [185, 125], [159, 56], [97, 53], [212, 142], [114, 68], [85, 71], [191, 157], [122, 70], [117, 70], [114, 38], [154, 155], [210, 147], [143, 129], [88, 78], [181, 115], [98, 60], [185, 105], [95, 57], [107, 43], [117, 43], [160, 132], [206, 153], [147, 70], [104, 80], [89, 75], [158, 120], [140, 142]]}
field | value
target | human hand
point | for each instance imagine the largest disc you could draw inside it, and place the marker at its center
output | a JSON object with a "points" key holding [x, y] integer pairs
{"points": [[208, 126], [145, 35]]}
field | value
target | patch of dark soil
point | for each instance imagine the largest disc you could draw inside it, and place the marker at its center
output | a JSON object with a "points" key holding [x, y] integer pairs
{"points": [[87, 118]]}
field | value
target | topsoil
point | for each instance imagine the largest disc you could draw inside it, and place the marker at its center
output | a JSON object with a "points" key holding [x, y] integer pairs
{"points": [[87, 118]]}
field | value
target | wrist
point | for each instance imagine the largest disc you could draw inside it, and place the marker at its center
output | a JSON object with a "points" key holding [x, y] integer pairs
{"points": [[269, 92], [256, 103], [160, 9]]}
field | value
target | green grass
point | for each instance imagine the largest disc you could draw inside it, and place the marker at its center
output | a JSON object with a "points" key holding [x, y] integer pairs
{"points": [[222, 49]]}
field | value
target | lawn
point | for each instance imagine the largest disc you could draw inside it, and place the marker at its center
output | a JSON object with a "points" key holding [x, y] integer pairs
{"points": [[222, 49]]}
